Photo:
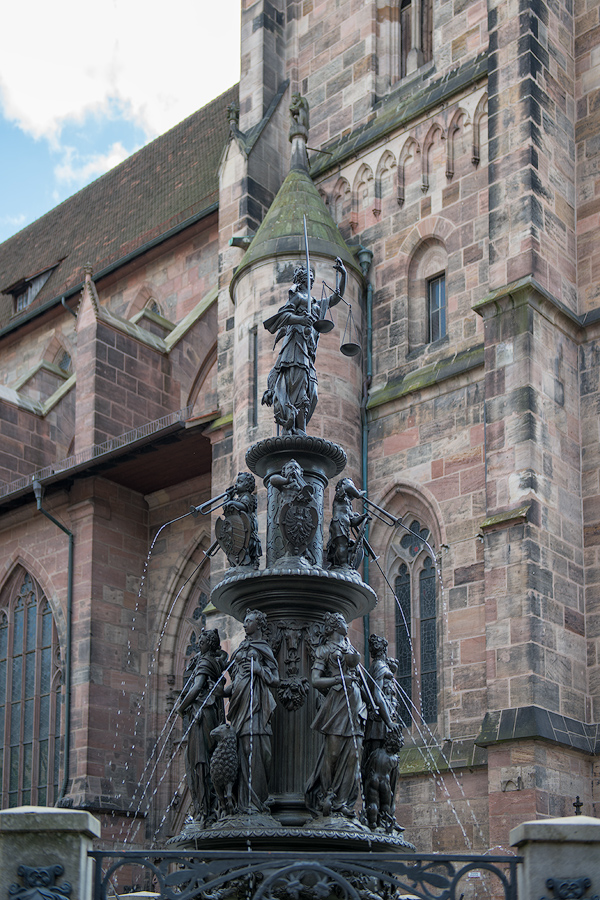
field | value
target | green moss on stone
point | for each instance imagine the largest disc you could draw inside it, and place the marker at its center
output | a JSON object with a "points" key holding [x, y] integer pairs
{"points": [[427, 376]]}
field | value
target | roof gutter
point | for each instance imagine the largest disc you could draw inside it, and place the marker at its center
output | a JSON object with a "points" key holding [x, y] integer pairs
{"points": [[123, 260]]}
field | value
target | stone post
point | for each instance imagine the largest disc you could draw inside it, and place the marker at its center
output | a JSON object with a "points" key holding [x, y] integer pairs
{"points": [[42, 847], [561, 858]]}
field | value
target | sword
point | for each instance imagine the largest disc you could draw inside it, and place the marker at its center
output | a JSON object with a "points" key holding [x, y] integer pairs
{"points": [[308, 295]]}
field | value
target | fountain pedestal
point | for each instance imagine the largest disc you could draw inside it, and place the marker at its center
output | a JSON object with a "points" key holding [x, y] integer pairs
{"points": [[295, 593]]}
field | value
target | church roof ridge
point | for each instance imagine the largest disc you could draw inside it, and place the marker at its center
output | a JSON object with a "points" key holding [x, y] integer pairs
{"points": [[165, 183]]}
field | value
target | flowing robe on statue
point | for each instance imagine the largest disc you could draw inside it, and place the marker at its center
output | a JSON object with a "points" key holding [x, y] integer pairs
{"points": [[341, 719], [250, 709], [292, 382], [205, 713]]}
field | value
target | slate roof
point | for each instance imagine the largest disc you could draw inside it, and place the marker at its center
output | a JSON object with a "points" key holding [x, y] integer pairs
{"points": [[163, 184], [281, 232]]}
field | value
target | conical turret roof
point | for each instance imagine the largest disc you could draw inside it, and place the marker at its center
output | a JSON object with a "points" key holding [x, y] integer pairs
{"points": [[282, 230]]}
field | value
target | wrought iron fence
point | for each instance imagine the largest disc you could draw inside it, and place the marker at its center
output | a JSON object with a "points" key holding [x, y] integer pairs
{"points": [[298, 875]]}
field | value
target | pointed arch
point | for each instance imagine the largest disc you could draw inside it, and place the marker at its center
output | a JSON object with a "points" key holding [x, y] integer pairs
{"points": [[146, 297], [202, 386], [411, 604], [22, 558], [362, 194], [409, 152], [30, 693], [341, 201], [458, 121], [478, 116], [383, 178], [435, 133]]}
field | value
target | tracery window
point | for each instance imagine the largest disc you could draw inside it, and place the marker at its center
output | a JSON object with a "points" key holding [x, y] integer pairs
{"points": [[416, 628], [30, 695]]}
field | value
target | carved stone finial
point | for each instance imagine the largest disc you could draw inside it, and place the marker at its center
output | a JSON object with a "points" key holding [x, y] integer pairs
{"points": [[299, 131], [233, 114], [299, 117]]}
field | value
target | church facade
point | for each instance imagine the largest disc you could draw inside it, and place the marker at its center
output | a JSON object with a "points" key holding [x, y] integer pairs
{"points": [[453, 157]]}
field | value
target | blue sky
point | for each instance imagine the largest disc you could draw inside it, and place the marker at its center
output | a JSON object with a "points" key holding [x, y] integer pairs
{"points": [[92, 83]]}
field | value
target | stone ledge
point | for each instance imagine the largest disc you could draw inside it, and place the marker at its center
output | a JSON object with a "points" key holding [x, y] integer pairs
{"points": [[43, 818], [427, 376], [515, 516], [535, 723], [578, 829], [423, 760]]}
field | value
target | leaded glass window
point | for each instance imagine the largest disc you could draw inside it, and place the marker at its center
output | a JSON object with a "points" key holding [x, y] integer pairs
{"points": [[29, 696], [416, 627], [428, 641], [404, 643]]}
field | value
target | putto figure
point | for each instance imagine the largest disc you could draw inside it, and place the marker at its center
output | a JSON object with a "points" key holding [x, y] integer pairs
{"points": [[380, 783], [342, 549], [255, 676], [202, 708], [292, 382], [237, 531], [379, 739]]}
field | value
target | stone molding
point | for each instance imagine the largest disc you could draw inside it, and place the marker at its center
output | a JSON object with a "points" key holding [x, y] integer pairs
{"points": [[535, 723]]}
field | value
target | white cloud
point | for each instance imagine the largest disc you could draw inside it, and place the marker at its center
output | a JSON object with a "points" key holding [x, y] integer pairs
{"points": [[14, 221], [75, 170], [76, 59]]}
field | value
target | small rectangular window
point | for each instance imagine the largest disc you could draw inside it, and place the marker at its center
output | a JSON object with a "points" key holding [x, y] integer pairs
{"points": [[436, 301]]}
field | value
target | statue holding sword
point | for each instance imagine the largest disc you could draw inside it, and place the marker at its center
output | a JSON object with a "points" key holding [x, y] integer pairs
{"points": [[292, 382]]}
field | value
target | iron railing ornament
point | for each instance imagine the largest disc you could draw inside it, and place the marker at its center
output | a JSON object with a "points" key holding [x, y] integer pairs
{"points": [[300, 875]]}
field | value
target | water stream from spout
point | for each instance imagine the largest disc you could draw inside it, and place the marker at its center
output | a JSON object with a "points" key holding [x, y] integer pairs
{"points": [[173, 714], [157, 749], [416, 713]]}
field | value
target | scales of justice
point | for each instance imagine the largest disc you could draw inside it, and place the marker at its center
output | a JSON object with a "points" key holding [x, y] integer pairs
{"points": [[292, 742]]}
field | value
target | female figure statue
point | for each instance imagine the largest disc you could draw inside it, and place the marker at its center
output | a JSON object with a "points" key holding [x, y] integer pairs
{"points": [[254, 676], [334, 785], [292, 382], [202, 705]]}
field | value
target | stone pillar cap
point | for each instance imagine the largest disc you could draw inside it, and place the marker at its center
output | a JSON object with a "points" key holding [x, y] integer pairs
{"points": [[48, 818], [578, 829]]}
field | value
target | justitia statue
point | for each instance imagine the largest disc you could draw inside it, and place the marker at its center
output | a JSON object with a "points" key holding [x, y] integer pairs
{"points": [[292, 382], [255, 676], [202, 706]]}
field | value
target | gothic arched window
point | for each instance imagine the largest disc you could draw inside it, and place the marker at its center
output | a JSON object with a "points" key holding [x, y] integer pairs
{"points": [[30, 687], [416, 628]]}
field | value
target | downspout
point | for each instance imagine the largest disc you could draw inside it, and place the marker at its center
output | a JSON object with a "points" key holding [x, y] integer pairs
{"points": [[365, 258], [38, 490]]}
